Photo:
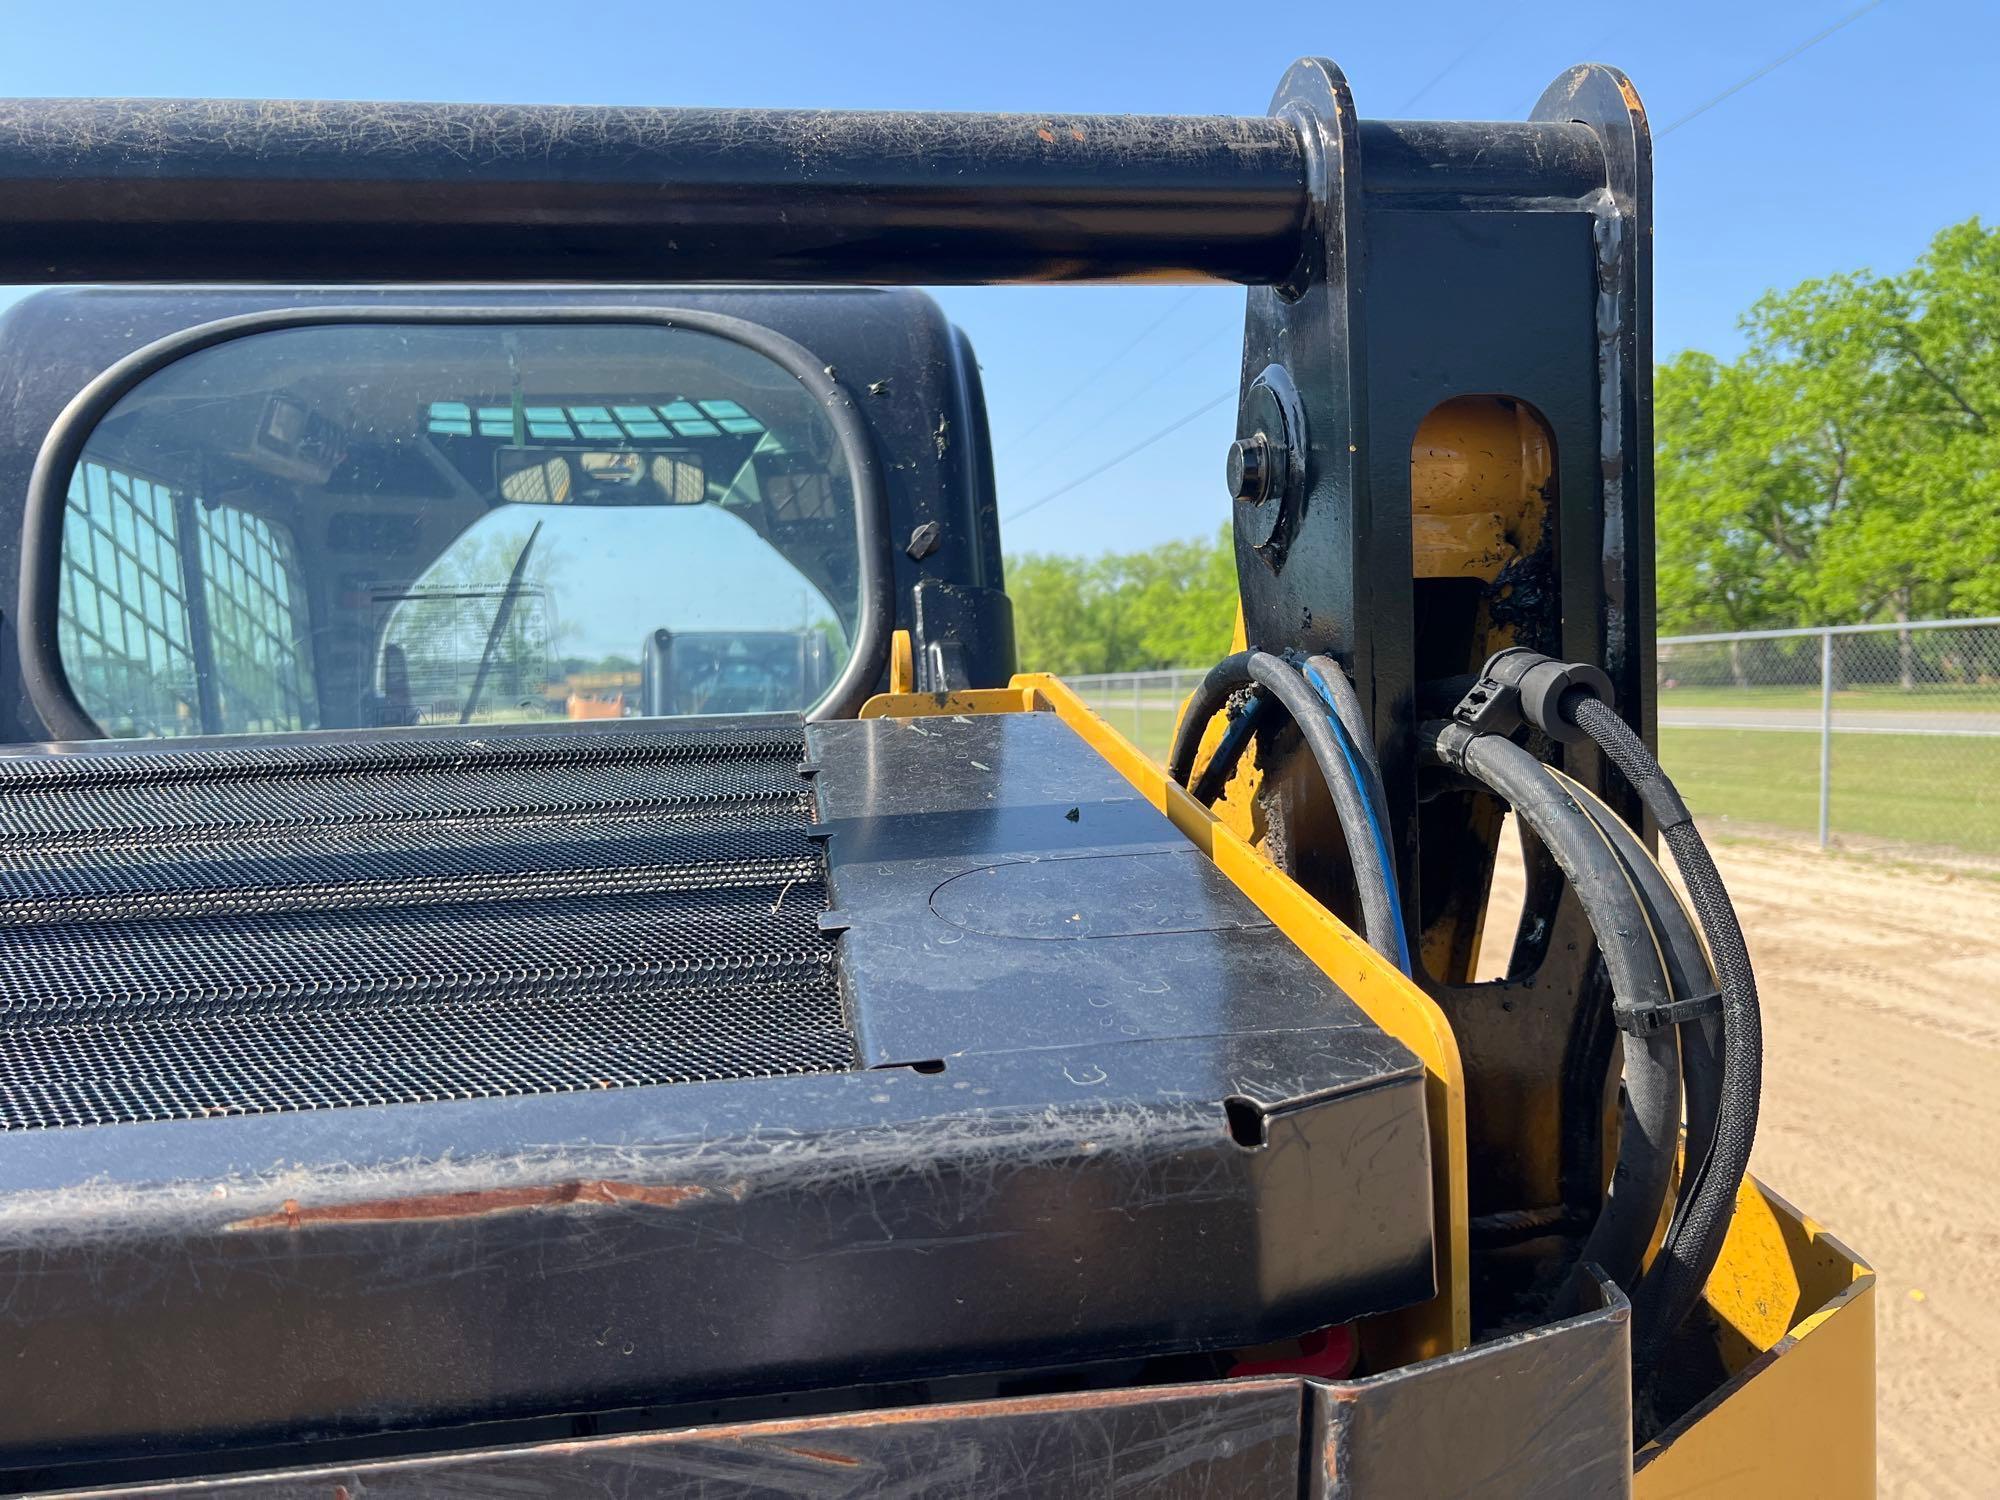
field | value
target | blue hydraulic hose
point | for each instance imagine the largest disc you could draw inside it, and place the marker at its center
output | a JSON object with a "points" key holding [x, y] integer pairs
{"points": [[1342, 757], [1372, 801], [1229, 749]]}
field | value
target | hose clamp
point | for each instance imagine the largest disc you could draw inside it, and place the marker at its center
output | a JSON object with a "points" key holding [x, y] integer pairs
{"points": [[1643, 1019], [1447, 741], [1519, 685]]}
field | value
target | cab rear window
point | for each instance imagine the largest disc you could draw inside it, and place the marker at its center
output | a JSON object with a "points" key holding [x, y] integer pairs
{"points": [[180, 615]]}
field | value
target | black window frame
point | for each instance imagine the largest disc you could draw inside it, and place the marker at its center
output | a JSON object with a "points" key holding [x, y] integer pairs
{"points": [[43, 673]]}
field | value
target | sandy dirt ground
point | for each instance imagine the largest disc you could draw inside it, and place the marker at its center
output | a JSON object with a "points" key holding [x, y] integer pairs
{"points": [[1881, 1119]]}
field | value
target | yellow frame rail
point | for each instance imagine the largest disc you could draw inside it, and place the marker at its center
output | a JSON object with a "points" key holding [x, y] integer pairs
{"points": [[1793, 1310], [1388, 998]]}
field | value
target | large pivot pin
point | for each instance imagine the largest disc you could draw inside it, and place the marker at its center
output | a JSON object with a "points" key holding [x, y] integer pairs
{"points": [[1266, 465]]}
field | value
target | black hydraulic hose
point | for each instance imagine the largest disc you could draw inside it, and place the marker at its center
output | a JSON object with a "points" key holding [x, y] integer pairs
{"points": [[1283, 682], [1623, 1231], [1696, 1238], [1357, 744], [1214, 779], [1210, 697], [1689, 970], [1372, 881], [1347, 704]]}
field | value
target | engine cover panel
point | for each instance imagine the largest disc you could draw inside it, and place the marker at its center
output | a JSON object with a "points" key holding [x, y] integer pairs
{"points": [[1066, 1186]]}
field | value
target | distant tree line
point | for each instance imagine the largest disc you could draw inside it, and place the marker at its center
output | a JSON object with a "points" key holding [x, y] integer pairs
{"points": [[1173, 605], [1843, 469]]}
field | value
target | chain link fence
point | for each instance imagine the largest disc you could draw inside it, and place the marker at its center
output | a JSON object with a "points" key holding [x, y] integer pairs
{"points": [[1882, 736], [1863, 735], [1142, 706]]}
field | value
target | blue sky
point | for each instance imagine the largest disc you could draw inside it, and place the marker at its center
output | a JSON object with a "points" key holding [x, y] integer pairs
{"points": [[1850, 156]]}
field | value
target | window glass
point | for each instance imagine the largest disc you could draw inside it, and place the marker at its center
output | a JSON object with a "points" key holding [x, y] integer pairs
{"points": [[126, 613], [372, 524], [260, 647]]}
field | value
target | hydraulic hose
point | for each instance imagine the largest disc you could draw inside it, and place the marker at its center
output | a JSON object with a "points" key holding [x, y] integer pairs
{"points": [[1331, 683], [1357, 743], [1229, 749], [1623, 1231], [1691, 974], [1210, 697], [1327, 679], [1695, 1238], [1367, 852]]}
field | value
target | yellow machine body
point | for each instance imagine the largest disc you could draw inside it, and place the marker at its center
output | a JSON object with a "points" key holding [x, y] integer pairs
{"points": [[1791, 1308]]}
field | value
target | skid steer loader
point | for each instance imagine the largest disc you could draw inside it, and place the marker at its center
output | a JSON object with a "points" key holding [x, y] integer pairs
{"points": [[887, 1081]]}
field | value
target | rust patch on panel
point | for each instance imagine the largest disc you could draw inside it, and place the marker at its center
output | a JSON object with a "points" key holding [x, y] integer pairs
{"points": [[595, 1192], [826, 1456]]}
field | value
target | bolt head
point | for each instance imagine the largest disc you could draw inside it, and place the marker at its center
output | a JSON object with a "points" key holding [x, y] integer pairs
{"points": [[1249, 469]]}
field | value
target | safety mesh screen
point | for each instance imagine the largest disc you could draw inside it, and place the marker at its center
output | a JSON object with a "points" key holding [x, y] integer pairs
{"points": [[317, 925]]}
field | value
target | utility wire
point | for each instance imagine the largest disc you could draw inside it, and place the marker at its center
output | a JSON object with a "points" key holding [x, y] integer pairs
{"points": [[1771, 67], [1506, 20], [1111, 463], [1095, 375], [1201, 347], [1734, 89]]}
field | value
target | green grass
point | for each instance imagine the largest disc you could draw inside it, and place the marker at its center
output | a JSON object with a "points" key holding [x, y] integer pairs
{"points": [[1151, 729], [1910, 789], [1944, 698]]}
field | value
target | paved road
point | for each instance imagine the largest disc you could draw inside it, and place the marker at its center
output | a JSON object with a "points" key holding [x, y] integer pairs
{"points": [[1970, 723], [1845, 720]]}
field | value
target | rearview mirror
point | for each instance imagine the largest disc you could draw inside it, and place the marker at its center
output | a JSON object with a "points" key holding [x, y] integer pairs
{"points": [[592, 476], [227, 539]]}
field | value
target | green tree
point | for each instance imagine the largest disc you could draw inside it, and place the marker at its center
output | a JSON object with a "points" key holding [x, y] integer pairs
{"points": [[1732, 522], [1172, 605], [1846, 468], [1183, 601], [1055, 623]]}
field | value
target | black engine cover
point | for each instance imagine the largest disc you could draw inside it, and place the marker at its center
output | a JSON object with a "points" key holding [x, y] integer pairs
{"points": [[350, 1085]]}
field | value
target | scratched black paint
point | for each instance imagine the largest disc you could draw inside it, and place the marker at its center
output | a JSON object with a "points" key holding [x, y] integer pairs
{"points": [[1543, 1415], [1065, 1188], [1446, 260], [219, 190]]}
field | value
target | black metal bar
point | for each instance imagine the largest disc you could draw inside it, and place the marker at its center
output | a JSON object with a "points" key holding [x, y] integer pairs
{"points": [[1488, 159], [169, 190], [201, 633]]}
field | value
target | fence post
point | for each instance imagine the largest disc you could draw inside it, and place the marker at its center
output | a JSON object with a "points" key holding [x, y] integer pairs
{"points": [[1136, 735], [1825, 734]]}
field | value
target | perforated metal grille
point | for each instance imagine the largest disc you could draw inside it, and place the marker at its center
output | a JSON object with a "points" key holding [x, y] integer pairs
{"points": [[311, 926]]}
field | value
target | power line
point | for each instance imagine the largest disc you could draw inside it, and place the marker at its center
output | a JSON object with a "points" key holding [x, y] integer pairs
{"points": [[1771, 67], [1506, 20], [1062, 404], [1200, 347], [1735, 88], [1111, 463]]}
